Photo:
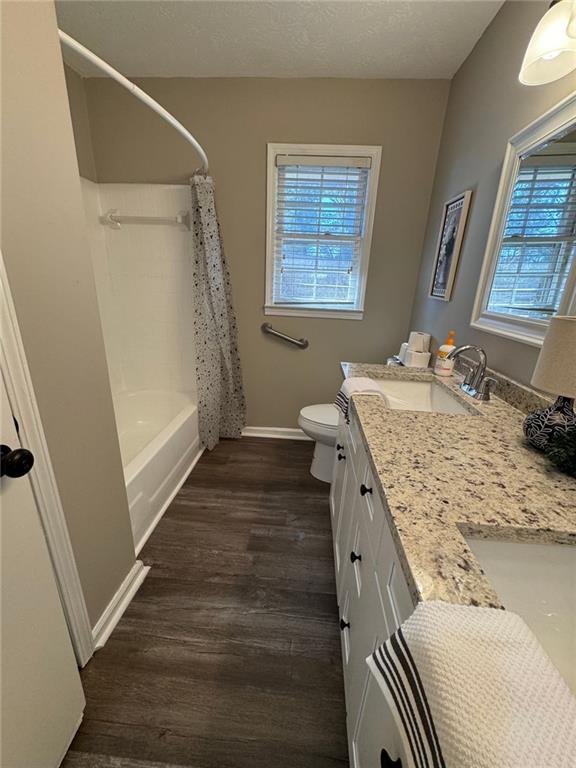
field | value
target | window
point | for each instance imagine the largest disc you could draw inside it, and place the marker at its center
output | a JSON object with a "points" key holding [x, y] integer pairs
{"points": [[321, 203], [539, 243], [529, 271]]}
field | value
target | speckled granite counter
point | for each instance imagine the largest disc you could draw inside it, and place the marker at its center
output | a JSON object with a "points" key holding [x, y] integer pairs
{"points": [[443, 477]]}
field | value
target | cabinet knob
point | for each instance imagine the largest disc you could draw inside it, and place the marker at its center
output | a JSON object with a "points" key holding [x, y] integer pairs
{"points": [[364, 490], [341, 456], [344, 625], [339, 447], [387, 762], [354, 557]]}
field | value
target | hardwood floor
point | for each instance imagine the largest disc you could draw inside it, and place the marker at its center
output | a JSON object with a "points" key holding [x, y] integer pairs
{"points": [[229, 655]]}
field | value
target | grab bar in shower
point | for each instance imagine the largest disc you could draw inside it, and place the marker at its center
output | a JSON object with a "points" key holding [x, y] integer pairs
{"points": [[113, 219], [301, 343]]}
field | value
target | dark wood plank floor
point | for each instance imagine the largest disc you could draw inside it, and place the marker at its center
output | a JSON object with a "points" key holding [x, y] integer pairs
{"points": [[229, 655]]}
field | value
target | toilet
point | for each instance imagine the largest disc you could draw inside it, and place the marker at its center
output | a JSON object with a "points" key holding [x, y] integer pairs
{"points": [[320, 422]]}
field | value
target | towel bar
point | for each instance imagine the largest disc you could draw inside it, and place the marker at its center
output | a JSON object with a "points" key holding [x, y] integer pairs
{"points": [[301, 343], [114, 220]]}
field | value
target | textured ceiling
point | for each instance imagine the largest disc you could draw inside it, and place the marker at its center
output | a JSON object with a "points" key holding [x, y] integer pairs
{"points": [[284, 38]]}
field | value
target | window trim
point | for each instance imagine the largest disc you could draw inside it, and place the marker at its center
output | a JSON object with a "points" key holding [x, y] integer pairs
{"points": [[330, 150], [560, 119]]}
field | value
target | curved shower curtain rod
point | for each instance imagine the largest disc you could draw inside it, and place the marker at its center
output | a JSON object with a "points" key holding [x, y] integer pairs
{"points": [[74, 45]]}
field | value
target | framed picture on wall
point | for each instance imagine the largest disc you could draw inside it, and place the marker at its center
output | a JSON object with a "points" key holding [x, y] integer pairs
{"points": [[449, 245]]}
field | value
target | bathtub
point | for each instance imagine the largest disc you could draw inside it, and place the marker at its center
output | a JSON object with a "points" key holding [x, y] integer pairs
{"points": [[159, 443]]}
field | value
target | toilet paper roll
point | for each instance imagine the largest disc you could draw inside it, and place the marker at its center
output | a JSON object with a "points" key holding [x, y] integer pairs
{"points": [[416, 359], [418, 341]]}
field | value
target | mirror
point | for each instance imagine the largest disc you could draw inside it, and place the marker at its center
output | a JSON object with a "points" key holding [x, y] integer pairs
{"points": [[530, 264]]}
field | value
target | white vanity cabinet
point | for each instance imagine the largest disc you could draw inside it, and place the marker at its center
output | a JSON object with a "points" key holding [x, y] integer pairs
{"points": [[373, 596]]}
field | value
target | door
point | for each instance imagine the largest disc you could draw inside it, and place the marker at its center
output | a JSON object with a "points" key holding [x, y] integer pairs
{"points": [[41, 695], [350, 514], [338, 472], [346, 522], [376, 734]]}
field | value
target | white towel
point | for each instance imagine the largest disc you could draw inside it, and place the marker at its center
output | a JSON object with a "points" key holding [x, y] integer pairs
{"points": [[355, 385], [472, 688]]}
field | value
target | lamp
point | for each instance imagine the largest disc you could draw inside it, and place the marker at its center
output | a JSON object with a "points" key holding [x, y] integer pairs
{"points": [[551, 52], [555, 372]]}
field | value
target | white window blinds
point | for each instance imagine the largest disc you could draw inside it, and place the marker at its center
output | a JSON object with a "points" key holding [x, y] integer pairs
{"points": [[319, 228], [539, 245]]}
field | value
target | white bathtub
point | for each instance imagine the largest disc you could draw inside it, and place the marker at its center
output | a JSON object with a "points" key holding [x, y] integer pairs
{"points": [[158, 433]]}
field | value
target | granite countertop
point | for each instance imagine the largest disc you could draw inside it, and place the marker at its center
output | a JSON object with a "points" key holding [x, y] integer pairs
{"points": [[442, 477]]}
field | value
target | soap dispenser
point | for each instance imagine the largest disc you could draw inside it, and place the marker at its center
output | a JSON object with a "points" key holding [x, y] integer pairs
{"points": [[443, 366]]}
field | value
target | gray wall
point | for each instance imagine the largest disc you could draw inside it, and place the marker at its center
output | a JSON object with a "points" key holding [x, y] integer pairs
{"points": [[48, 263], [487, 106], [234, 119]]}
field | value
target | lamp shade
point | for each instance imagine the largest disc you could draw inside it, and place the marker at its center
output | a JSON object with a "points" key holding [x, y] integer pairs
{"points": [[555, 369], [551, 52]]}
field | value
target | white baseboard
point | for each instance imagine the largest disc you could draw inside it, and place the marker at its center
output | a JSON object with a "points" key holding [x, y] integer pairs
{"points": [[148, 532], [116, 607], [282, 433]]}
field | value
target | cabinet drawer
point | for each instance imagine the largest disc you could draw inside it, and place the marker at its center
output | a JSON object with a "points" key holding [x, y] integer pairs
{"points": [[371, 509]]}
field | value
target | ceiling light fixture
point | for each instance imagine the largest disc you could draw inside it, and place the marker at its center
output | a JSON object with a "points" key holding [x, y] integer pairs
{"points": [[551, 52]]}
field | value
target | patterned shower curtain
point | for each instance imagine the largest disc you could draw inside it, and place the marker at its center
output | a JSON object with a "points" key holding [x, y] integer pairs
{"points": [[221, 403]]}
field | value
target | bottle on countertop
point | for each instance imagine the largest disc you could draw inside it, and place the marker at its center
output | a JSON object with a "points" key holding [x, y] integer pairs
{"points": [[443, 366]]}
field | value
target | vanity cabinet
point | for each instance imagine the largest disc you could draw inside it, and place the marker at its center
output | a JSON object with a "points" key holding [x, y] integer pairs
{"points": [[373, 596]]}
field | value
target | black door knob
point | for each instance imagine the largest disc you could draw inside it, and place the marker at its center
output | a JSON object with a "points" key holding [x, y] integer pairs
{"points": [[341, 456], [339, 447], [15, 463], [344, 625], [364, 490], [354, 557]]}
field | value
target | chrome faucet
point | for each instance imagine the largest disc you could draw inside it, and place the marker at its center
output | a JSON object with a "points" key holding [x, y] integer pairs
{"points": [[476, 383]]}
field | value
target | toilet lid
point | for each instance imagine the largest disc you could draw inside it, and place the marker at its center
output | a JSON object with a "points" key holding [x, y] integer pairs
{"points": [[325, 414]]}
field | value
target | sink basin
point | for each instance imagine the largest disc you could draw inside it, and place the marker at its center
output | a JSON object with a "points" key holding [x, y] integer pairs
{"points": [[538, 582], [420, 396]]}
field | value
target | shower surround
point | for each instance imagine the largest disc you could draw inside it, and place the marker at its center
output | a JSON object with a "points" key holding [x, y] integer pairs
{"points": [[143, 279]]}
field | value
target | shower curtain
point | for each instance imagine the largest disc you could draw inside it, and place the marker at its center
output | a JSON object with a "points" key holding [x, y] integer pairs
{"points": [[221, 402]]}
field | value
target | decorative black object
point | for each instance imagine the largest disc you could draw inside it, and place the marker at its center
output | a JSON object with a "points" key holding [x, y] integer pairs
{"points": [[555, 372], [561, 451], [354, 557], [364, 490], [541, 427]]}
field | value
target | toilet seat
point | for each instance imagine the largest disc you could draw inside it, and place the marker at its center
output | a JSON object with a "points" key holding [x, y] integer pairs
{"points": [[324, 415], [320, 422]]}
